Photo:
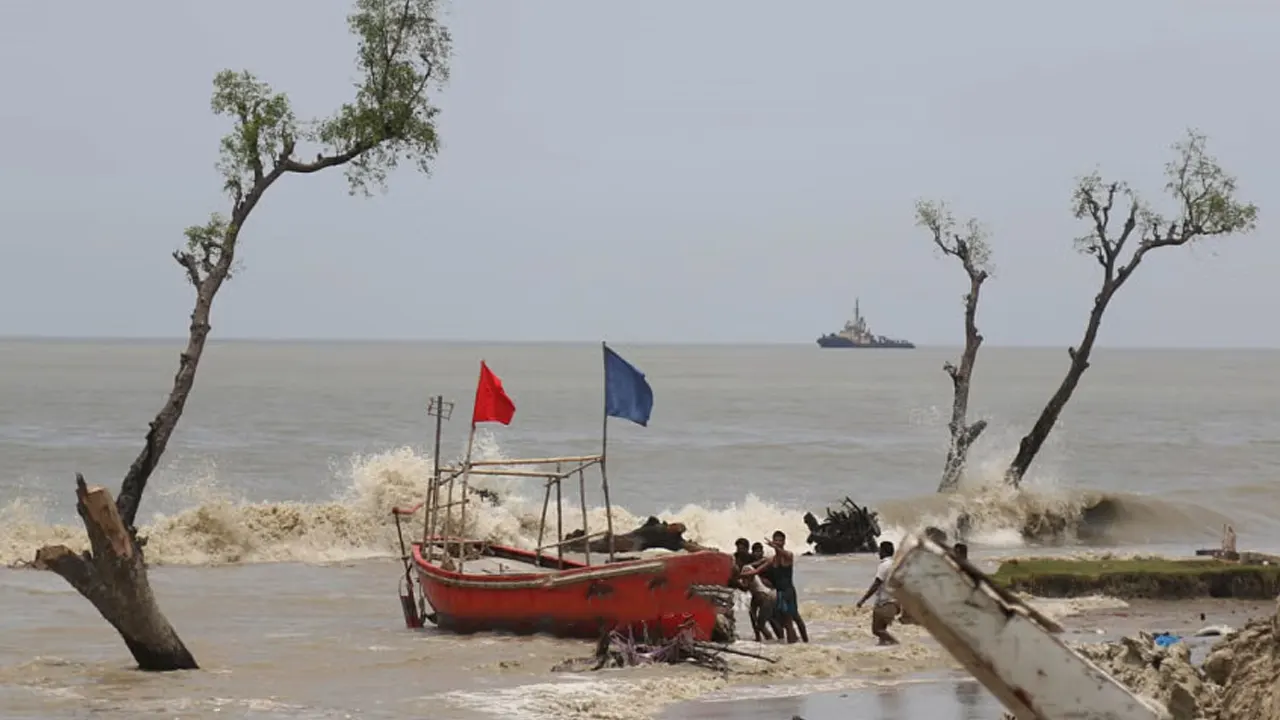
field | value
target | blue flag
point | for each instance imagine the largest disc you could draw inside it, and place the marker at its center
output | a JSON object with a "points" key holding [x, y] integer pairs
{"points": [[627, 394]]}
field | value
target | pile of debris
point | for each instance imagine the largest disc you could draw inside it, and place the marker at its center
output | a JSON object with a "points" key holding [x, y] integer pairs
{"points": [[654, 533], [1164, 674], [617, 649], [722, 598], [1240, 679], [848, 529], [1246, 666]]}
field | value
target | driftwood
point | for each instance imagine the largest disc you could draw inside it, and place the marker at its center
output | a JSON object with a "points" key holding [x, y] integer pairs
{"points": [[113, 576], [722, 597], [849, 529], [616, 649], [654, 533]]}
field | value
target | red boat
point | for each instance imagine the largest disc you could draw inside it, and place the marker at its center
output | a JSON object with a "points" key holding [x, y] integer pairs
{"points": [[513, 590], [474, 586]]}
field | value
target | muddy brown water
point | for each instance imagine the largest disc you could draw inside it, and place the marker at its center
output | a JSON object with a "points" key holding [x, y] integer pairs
{"points": [[268, 520]]}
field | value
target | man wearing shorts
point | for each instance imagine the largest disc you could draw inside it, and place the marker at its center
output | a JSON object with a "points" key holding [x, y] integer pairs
{"points": [[781, 565], [886, 608]]}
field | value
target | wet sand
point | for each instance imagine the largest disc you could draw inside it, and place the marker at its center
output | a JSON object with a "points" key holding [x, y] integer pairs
{"points": [[954, 696], [952, 693]]}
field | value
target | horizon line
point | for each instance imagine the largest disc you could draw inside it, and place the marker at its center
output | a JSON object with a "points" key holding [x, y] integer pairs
{"points": [[158, 339]]}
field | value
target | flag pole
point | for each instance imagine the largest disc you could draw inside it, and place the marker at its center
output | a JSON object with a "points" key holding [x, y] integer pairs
{"points": [[604, 446], [466, 476]]}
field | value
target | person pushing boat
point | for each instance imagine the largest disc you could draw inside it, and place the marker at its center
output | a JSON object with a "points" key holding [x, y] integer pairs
{"points": [[764, 619], [781, 567], [741, 558]]}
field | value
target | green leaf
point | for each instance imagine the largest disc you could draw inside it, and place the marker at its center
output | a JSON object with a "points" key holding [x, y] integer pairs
{"points": [[403, 54]]}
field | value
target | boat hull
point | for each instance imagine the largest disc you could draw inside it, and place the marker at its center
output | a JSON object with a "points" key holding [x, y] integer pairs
{"points": [[835, 341], [647, 596]]}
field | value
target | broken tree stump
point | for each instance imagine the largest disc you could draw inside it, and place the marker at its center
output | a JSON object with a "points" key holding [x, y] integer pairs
{"points": [[113, 576], [849, 529]]}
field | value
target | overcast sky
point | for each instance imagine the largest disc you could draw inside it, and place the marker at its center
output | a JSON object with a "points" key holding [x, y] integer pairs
{"points": [[710, 171]]}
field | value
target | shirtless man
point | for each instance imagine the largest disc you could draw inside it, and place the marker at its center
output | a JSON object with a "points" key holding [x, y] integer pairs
{"points": [[764, 600], [781, 565], [741, 559], [885, 608]]}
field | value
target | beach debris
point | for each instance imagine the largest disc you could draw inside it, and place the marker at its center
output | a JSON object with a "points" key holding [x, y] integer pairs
{"points": [[1246, 665], [1163, 673], [1006, 644], [1239, 680], [1213, 630], [654, 533], [617, 649], [847, 529], [998, 639], [722, 597]]}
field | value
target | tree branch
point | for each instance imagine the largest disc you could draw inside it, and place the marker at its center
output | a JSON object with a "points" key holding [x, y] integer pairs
{"points": [[389, 54], [950, 368], [76, 569], [971, 433], [188, 261], [326, 161]]}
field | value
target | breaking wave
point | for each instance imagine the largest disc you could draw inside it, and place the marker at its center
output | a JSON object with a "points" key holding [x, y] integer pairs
{"points": [[219, 527]]}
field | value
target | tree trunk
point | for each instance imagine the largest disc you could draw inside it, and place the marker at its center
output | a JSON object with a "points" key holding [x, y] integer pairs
{"points": [[113, 576], [1031, 443], [958, 455], [963, 434]]}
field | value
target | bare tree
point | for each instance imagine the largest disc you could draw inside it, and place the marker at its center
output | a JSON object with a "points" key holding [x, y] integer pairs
{"points": [[971, 247], [402, 52], [1207, 207]]}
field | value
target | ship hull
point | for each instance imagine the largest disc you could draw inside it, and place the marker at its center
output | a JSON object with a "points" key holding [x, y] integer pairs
{"points": [[835, 341], [650, 596]]}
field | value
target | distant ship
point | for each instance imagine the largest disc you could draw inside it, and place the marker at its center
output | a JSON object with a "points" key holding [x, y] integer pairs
{"points": [[856, 334]]}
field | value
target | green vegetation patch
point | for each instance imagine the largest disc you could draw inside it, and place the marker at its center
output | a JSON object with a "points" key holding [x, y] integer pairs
{"points": [[1151, 578]]}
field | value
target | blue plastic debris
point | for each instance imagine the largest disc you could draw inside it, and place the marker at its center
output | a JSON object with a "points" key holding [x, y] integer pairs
{"points": [[1165, 639]]}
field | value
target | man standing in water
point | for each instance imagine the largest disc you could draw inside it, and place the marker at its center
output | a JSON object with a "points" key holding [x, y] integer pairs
{"points": [[781, 567], [885, 608]]}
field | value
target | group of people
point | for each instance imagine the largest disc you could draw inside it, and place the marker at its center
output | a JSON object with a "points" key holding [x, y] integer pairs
{"points": [[775, 609]]}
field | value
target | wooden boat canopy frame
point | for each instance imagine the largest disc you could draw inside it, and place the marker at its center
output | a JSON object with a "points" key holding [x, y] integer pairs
{"points": [[565, 468]]}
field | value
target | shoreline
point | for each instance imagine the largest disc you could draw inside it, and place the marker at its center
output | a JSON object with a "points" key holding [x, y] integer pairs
{"points": [[1152, 577], [944, 688]]}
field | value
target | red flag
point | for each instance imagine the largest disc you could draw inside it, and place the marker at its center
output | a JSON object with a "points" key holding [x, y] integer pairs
{"points": [[492, 403]]}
